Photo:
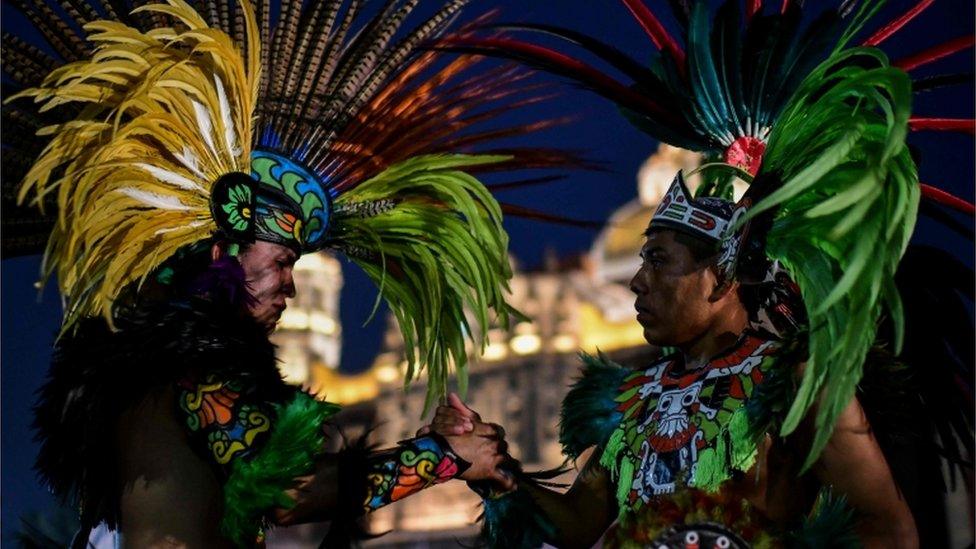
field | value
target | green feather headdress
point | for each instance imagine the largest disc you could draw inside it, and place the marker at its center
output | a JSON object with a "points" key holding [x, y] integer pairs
{"points": [[844, 215]]}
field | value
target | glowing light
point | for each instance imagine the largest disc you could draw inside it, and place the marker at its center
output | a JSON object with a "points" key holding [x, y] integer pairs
{"points": [[322, 323], [387, 373], [293, 372], [598, 333], [526, 344], [294, 319], [495, 351], [564, 343]]}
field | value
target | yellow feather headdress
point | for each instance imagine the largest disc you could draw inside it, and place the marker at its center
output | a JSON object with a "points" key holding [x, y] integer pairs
{"points": [[164, 115]]}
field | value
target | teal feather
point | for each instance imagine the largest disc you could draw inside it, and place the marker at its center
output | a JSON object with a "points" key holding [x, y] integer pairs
{"points": [[514, 521], [830, 524], [589, 413], [727, 49], [710, 104]]}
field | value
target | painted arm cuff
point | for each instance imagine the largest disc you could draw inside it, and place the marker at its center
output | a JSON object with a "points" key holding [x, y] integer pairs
{"points": [[411, 466]]}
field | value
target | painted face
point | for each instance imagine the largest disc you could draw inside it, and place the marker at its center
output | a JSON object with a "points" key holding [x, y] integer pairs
{"points": [[268, 272], [673, 291]]}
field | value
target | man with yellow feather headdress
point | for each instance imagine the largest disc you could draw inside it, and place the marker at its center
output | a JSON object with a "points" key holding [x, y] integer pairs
{"points": [[181, 167]]}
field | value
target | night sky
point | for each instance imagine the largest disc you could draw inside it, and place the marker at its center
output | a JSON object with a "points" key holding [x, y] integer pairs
{"points": [[29, 322]]}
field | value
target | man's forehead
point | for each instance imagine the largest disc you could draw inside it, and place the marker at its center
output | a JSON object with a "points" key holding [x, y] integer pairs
{"points": [[274, 251], [658, 238]]}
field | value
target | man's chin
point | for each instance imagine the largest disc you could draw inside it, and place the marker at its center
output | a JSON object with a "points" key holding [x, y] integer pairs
{"points": [[653, 337], [270, 324]]}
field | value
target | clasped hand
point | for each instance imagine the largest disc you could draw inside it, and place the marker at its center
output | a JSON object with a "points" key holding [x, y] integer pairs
{"points": [[479, 443]]}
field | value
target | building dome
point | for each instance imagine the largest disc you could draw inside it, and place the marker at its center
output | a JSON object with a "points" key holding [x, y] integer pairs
{"points": [[614, 254]]}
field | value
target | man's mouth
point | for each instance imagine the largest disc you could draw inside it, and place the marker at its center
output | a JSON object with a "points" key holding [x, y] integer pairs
{"points": [[643, 314]]}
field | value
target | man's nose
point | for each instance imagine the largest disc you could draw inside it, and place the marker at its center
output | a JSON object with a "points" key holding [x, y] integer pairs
{"points": [[635, 283], [289, 286]]}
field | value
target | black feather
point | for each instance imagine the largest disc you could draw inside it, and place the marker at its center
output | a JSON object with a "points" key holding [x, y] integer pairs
{"points": [[616, 58]]}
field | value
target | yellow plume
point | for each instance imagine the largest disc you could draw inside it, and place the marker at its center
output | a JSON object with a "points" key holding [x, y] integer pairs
{"points": [[164, 114]]}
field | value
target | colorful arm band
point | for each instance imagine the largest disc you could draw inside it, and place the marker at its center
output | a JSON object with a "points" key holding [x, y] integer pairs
{"points": [[225, 422], [413, 465]]}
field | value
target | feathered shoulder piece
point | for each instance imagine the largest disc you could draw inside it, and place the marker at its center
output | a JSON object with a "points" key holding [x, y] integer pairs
{"points": [[328, 129], [590, 410]]}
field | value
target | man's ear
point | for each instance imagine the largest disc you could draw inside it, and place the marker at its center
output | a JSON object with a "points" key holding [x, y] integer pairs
{"points": [[216, 252], [723, 286]]}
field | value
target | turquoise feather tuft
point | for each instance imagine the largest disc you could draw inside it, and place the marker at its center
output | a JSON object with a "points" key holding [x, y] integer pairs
{"points": [[515, 521], [589, 414], [830, 524]]}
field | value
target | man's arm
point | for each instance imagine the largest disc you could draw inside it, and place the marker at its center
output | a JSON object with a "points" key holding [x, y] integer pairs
{"points": [[852, 462], [580, 515], [389, 475], [585, 511]]}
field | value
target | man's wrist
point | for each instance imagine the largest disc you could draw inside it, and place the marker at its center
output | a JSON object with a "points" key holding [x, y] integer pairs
{"points": [[447, 453], [413, 465]]}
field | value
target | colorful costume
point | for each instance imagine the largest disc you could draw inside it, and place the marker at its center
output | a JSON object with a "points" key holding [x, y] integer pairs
{"points": [[817, 126], [184, 127]]}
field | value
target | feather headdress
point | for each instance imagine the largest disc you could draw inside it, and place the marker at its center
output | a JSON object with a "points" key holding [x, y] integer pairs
{"points": [[319, 132], [774, 97]]}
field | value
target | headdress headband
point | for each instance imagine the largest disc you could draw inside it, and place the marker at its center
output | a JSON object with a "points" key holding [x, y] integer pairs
{"points": [[679, 210]]}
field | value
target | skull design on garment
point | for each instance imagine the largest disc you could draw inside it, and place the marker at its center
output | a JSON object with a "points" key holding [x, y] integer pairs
{"points": [[672, 411], [673, 414]]}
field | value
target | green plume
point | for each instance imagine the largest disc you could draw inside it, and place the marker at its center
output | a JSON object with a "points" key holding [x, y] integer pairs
{"points": [[442, 252], [257, 485], [845, 213]]}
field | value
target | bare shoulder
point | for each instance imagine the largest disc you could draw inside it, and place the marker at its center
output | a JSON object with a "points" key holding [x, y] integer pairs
{"points": [[169, 496]]}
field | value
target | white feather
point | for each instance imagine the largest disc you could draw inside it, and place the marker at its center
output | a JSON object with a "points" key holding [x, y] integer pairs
{"points": [[187, 226], [230, 135], [204, 122], [190, 161], [171, 177], [155, 200]]}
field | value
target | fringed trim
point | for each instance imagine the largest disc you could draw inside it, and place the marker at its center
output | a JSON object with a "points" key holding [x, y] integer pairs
{"points": [[735, 450], [258, 485]]}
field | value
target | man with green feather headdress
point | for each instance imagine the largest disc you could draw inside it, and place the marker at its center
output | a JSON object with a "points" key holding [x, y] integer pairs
{"points": [[751, 431], [689, 447]]}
